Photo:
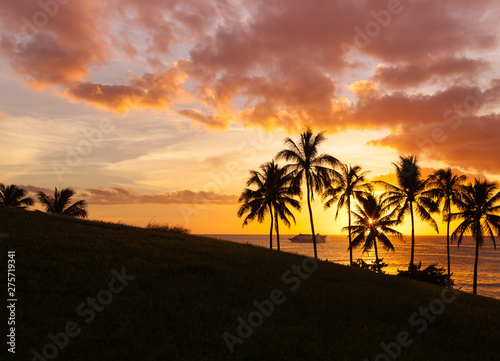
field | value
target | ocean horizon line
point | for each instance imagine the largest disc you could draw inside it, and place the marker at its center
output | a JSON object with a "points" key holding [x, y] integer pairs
{"points": [[294, 234]]}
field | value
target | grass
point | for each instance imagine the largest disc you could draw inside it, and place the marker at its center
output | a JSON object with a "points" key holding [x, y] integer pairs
{"points": [[167, 228], [189, 290]]}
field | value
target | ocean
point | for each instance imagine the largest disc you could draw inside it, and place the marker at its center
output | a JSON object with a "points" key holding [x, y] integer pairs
{"points": [[428, 249]]}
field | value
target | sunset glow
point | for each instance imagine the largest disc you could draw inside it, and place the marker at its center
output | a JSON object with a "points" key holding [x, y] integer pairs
{"points": [[158, 110]]}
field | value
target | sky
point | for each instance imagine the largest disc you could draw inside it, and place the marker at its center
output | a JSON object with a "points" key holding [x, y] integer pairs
{"points": [[157, 109]]}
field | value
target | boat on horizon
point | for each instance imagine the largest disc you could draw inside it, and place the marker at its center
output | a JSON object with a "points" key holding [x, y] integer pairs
{"points": [[307, 238]]}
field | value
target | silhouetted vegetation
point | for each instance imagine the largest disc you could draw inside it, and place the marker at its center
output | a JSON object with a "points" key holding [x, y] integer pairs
{"points": [[189, 290], [274, 194], [348, 183], [167, 228], [478, 208], [306, 164], [60, 202], [410, 196], [376, 266], [430, 274], [445, 187], [14, 197], [373, 221]]}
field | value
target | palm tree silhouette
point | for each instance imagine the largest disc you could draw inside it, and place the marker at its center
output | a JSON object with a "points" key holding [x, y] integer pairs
{"points": [[307, 164], [348, 183], [446, 189], [410, 197], [372, 222], [58, 203], [273, 194], [15, 197], [478, 207]]}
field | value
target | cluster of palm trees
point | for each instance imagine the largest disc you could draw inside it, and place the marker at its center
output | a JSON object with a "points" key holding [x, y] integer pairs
{"points": [[375, 214], [13, 196]]}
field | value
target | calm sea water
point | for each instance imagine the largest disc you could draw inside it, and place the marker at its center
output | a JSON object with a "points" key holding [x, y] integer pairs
{"points": [[428, 249]]}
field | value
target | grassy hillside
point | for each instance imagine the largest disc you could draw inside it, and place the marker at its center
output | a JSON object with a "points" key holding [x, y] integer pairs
{"points": [[188, 291]]}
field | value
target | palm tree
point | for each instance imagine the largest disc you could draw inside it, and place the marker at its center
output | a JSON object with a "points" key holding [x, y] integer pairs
{"points": [[273, 194], [410, 197], [307, 164], [58, 204], [446, 189], [13, 196], [372, 222], [348, 183], [478, 207]]}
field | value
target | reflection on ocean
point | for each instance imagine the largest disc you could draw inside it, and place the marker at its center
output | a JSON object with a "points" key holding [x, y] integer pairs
{"points": [[428, 249]]}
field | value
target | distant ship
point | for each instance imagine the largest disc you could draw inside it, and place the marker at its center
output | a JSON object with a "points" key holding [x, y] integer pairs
{"points": [[307, 238]]}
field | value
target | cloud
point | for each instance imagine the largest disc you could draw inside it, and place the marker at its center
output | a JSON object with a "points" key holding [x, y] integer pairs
{"points": [[270, 64], [363, 87], [399, 108], [35, 189], [424, 28], [56, 44], [152, 90], [470, 144], [297, 46], [208, 120], [170, 23], [120, 195], [2, 116], [117, 195], [442, 67]]}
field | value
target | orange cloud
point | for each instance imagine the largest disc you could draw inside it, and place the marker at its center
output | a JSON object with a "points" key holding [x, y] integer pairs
{"points": [[120, 195], [262, 63], [207, 120], [414, 73], [471, 143], [152, 90], [117, 195], [363, 87], [2, 116], [400, 108], [55, 44]]}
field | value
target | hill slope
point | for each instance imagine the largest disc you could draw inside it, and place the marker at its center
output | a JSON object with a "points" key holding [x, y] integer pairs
{"points": [[189, 291]]}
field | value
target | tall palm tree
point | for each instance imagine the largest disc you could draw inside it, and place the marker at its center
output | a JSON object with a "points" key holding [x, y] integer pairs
{"points": [[372, 222], [306, 163], [478, 209], [273, 194], [348, 183], [59, 203], [13, 196], [410, 196], [446, 188]]}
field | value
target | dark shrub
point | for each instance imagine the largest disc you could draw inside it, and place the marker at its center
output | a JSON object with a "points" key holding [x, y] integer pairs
{"points": [[431, 274]]}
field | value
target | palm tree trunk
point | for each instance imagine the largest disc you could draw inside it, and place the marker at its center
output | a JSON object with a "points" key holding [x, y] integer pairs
{"points": [[474, 286], [277, 229], [448, 242], [271, 232], [349, 212], [311, 218], [376, 253], [412, 237]]}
